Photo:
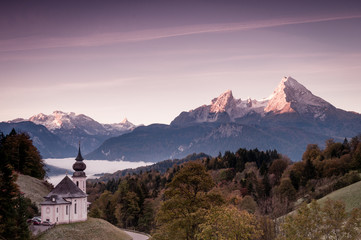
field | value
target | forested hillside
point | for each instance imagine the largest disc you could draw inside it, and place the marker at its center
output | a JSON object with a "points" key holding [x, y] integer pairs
{"points": [[256, 186], [17, 155]]}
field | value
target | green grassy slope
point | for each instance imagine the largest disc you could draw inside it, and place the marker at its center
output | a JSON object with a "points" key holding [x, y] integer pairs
{"points": [[33, 188], [93, 228], [350, 195]]}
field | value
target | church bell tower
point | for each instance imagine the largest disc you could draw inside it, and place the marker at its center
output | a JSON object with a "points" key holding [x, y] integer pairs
{"points": [[79, 177]]}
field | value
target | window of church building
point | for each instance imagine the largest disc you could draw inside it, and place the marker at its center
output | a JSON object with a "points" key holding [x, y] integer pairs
{"points": [[75, 208], [66, 210], [57, 210], [77, 183], [57, 219]]}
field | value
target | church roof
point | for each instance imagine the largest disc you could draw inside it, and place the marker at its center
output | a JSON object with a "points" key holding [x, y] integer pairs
{"points": [[54, 200], [67, 189]]}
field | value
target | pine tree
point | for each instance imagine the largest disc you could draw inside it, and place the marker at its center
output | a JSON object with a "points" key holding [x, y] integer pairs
{"points": [[23, 155], [12, 217]]}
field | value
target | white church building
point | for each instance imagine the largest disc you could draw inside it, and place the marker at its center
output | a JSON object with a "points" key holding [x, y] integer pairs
{"points": [[67, 202]]}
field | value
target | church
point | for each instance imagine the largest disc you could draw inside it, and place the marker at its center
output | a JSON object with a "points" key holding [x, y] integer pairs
{"points": [[67, 202]]}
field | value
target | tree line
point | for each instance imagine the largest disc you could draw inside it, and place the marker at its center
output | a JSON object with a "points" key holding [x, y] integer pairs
{"points": [[209, 197]]}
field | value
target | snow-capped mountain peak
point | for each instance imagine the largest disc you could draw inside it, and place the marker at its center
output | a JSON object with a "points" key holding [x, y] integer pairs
{"points": [[123, 125], [72, 128], [277, 102], [58, 119], [223, 102], [67, 121], [291, 96]]}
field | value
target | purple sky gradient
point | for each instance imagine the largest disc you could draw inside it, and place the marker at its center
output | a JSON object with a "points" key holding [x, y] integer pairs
{"points": [[150, 60]]}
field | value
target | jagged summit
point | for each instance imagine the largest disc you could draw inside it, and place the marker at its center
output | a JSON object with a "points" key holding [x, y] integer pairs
{"points": [[62, 120], [278, 100], [71, 127], [125, 121], [56, 120], [289, 97], [223, 102]]}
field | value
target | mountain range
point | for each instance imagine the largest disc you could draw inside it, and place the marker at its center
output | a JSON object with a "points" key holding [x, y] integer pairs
{"points": [[58, 134], [289, 119]]}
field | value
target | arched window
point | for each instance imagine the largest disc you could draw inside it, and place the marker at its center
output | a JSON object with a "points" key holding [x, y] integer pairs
{"points": [[75, 208], [66, 210], [77, 183]]}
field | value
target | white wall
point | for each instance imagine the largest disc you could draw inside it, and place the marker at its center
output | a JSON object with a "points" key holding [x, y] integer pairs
{"points": [[58, 213], [55, 213], [81, 209]]}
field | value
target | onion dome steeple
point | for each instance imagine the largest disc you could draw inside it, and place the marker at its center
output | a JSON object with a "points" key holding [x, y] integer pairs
{"points": [[79, 157], [79, 166]]}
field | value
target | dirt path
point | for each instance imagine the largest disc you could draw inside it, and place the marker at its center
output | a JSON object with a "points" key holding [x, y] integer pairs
{"points": [[136, 236]]}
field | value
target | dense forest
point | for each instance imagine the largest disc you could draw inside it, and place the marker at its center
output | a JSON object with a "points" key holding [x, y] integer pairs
{"points": [[17, 155], [240, 195]]}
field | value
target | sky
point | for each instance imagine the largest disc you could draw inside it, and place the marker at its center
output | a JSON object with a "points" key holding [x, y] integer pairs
{"points": [[150, 60]]}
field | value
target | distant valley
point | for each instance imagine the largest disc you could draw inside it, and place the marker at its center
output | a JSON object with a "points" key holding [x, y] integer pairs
{"points": [[288, 120]]}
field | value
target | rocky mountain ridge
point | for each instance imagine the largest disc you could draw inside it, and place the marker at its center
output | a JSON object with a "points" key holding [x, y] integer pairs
{"points": [[289, 97], [72, 128], [63, 120], [288, 120]]}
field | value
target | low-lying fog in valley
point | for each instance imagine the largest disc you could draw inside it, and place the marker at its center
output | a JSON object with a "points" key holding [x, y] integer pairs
{"points": [[93, 167]]}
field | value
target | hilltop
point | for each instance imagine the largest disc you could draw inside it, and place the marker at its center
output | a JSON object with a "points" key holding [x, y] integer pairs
{"points": [[93, 228]]}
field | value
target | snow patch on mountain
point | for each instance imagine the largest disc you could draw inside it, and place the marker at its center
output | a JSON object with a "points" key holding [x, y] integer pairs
{"points": [[57, 119], [123, 125], [68, 121]]}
